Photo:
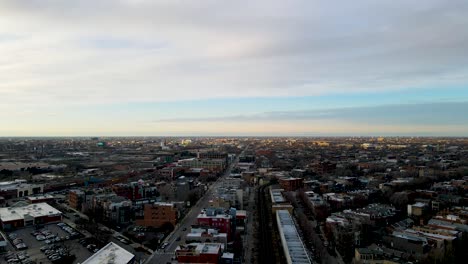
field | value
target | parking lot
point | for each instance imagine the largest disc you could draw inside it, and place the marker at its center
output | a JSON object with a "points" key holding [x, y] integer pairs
{"points": [[56, 241]]}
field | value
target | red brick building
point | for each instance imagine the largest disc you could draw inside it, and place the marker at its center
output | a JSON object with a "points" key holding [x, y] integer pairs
{"points": [[291, 184], [222, 222], [158, 214], [199, 253]]}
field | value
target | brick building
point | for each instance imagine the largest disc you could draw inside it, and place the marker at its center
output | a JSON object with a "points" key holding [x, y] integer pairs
{"points": [[158, 214], [291, 184]]}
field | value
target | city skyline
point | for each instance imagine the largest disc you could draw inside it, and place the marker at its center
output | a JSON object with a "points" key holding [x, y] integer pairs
{"points": [[298, 68]]}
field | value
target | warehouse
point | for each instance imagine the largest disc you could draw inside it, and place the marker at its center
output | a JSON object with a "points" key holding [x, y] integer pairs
{"points": [[28, 215]]}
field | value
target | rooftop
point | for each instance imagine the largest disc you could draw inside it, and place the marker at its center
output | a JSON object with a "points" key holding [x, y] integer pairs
{"points": [[34, 210], [110, 254], [289, 235]]}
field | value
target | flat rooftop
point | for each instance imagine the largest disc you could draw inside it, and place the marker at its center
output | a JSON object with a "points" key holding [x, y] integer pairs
{"points": [[292, 243], [111, 253], [34, 210]]}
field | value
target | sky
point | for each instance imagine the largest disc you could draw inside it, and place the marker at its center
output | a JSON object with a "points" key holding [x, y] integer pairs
{"points": [[226, 68]]}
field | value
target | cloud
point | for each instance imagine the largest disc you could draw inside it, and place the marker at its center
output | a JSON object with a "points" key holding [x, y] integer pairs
{"points": [[82, 52], [427, 114]]}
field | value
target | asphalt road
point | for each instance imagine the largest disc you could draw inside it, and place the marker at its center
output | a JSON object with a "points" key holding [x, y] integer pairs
{"points": [[166, 255]]}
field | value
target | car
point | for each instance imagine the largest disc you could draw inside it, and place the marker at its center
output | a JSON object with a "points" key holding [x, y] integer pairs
{"points": [[44, 248], [164, 245], [178, 239], [91, 247], [184, 229], [53, 256], [40, 237], [48, 242], [56, 258], [76, 215]]}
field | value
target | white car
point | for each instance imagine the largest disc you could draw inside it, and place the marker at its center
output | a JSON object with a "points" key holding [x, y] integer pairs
{"points": [[40, 237]]}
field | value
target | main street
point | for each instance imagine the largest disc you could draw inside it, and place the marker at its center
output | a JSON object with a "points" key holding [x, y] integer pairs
{"points": [[181, 229]]}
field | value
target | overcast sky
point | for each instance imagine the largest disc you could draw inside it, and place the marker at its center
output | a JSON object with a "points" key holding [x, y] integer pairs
{"points": [[181, 67]]}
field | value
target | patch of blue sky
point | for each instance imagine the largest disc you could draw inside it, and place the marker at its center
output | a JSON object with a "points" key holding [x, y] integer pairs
{"points": [[236, 106]]}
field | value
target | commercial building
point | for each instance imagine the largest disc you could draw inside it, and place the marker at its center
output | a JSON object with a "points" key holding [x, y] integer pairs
{"points": [[19, 188], [28, 215], [158, 214], [203, 235], [293, 247], [199, 253], [216, 219], [111, 253], [215, 165], [40, 199]]}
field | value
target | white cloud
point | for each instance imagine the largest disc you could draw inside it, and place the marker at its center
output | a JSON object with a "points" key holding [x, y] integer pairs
{"points": [[77, 52]]}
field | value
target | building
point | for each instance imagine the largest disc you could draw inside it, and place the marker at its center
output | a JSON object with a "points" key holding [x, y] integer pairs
{"points": [[19, 188], [416, 209], [212, 155], [369, 256], [203, 235], [28, 215], [215, 165], [199, 253], [76, 198], [47, 198], [216, 218], [135, 190], [294, 250], [291, 184], [111, 253], [118, 211], [158, 214]]}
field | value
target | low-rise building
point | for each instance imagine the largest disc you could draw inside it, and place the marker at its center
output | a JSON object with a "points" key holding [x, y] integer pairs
{"points": [[111, 253], [216, 218], [28, 215], [202, 235], [47, 198], [199, 253], [159, 214], [291, 184]]}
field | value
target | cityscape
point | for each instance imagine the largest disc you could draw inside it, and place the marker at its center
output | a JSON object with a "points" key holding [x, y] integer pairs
{"points": [[234, 200], [233, 132]]}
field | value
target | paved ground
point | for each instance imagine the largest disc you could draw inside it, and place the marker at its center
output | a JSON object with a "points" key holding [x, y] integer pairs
{"points": [[248, 237], [166, 255], [34, 246]]}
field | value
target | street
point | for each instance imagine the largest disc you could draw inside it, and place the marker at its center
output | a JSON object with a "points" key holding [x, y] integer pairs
{"points": [[166, 255]]}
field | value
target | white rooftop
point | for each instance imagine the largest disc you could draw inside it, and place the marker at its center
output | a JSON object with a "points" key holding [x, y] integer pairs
{"points": [[34, 210], [110, 254], [290, 239]]}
